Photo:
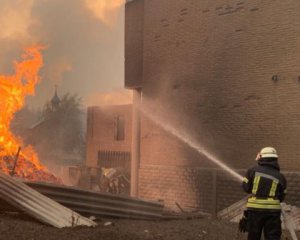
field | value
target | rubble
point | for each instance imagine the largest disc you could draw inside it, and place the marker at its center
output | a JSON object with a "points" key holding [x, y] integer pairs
{"points": [[106, 224], [26, 170]]}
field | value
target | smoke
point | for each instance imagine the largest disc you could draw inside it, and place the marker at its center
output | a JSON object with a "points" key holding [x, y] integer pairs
{"points": [[115, 97], [84, 39], [15, 18], [162, 118], [56, 70], [105, 10]]}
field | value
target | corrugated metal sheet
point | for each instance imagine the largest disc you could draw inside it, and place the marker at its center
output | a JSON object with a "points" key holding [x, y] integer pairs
{"points": [[37, 205], [234, 212], [100, 204]]}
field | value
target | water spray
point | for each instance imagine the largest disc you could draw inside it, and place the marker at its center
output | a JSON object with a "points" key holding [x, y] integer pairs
{"points": [[196, 146], [200, 149]]}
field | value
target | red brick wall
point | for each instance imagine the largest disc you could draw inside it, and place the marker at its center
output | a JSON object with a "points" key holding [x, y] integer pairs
{"points": [[213, 64], [159, 147], [100, 131], [210, 65], [192, 188]]}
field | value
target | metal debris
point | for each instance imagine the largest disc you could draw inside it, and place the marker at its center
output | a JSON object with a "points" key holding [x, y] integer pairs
{"points": [[90, 203], [37, 205]]}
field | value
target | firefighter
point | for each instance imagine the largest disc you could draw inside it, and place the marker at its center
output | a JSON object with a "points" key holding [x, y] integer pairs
{"points": [[267, 187]]}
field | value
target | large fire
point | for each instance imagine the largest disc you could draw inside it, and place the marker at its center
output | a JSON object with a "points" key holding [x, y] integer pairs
{"points": [[13, 89]]}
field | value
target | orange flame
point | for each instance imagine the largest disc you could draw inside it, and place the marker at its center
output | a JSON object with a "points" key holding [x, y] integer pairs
{"points": [[13, 89]]}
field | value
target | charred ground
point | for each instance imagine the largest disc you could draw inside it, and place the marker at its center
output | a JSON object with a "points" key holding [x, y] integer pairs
{"points": [[22, 227]]}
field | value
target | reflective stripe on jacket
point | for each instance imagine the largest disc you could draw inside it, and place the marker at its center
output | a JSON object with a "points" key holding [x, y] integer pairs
{"points": [[269, 203], [266, 185]]}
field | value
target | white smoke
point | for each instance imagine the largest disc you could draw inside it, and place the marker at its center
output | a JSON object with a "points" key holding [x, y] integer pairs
{"points": [[84, 42]]}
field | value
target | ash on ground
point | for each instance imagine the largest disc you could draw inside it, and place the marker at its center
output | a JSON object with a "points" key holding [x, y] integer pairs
{"points": [[21, 227]]}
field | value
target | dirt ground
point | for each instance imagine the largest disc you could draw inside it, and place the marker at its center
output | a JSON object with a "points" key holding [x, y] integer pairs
{"points": [[21, 227]]}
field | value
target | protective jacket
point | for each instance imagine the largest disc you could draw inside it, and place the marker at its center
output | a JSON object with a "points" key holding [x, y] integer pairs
{"points": [[266, 184]]}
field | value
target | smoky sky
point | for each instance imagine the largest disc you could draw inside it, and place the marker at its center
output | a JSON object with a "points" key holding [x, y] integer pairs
{"points": [[83, 54]]}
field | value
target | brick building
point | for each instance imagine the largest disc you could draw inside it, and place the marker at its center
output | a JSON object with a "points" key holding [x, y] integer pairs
{"points": [[109, 136], [227, 73]]}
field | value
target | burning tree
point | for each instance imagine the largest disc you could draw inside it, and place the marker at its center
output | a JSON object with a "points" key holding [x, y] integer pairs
{"points": [[13, 89]]}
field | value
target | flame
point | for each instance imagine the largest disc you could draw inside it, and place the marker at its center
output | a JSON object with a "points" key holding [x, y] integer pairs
{"points": [[105, 10], [13, 89]]}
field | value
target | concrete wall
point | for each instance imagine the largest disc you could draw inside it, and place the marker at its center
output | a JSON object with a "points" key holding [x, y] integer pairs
{"points": [[101, 131], [224, 72]]}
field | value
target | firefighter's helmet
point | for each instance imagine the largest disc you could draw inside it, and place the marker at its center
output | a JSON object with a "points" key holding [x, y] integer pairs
{"points": [[268, 152]]}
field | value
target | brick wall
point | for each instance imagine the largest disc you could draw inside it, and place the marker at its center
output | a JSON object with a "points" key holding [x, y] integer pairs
{"points": [[159, 147], [134, 24], [293, 193], [224, 72], [213, 63], [190, 188], [193, 188], [101, 131]]}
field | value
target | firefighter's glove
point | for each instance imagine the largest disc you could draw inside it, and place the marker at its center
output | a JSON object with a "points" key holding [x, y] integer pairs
{"points": [[243, 223]]}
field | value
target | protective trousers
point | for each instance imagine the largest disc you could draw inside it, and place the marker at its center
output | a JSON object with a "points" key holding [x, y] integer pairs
{"points": [[266, 221]]}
